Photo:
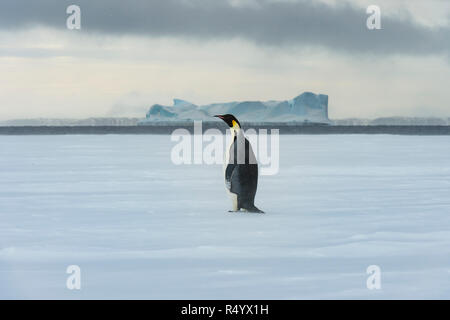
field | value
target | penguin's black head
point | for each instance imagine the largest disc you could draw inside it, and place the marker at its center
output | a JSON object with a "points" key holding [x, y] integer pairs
{"points": [[230, 120]]}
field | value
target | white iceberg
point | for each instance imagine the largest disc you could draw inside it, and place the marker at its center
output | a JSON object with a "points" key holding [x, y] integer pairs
{"points": [[307, 107]]}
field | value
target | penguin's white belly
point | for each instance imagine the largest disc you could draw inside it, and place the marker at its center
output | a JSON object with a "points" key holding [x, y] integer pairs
{"points": [[234, 199], [233, 196]]}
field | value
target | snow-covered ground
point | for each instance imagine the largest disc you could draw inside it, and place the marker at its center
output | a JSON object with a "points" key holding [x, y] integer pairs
{"points": [[139, 226]]}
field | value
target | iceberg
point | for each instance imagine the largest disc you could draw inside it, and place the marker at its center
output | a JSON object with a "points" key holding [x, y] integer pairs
{"points": [[306, 107]]}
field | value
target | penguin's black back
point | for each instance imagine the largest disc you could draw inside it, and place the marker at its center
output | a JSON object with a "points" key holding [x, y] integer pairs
{"points": [[243, 177]]}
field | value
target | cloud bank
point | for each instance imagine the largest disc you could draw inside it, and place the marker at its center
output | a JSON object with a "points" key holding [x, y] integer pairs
{"points": [[339, 27]]}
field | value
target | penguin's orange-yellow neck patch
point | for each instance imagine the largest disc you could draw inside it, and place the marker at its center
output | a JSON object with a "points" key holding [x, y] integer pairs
{"points": [[235, 124]]}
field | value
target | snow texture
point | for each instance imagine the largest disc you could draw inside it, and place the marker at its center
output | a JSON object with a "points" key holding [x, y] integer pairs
{"points": [[141, 227], [307, 107]]}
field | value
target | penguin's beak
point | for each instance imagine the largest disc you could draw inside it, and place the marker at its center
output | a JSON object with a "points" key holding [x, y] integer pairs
{"points": [[219, 116]]}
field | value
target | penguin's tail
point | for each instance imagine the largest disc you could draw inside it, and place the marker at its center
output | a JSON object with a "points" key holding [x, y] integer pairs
{"points": [[254, 209]]}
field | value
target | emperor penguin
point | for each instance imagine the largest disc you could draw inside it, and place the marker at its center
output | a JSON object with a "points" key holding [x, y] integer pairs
{"points": [[240, 168]]}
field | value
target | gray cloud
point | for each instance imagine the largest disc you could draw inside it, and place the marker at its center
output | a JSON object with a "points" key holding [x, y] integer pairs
{"points": [[304, 23]]}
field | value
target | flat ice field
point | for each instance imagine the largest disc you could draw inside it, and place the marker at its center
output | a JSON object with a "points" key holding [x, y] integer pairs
{"points": [[139, 226]]}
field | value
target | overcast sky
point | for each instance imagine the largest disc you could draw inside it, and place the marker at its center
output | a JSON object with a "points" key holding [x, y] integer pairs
{"points": [[129, 55]]}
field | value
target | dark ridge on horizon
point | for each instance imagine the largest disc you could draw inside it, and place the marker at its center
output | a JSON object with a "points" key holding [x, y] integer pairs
{"points": [[133, 121], [168, 129]]}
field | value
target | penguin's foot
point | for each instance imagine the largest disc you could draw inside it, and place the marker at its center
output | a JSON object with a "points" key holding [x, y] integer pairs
{"points": [[253, 209]]}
